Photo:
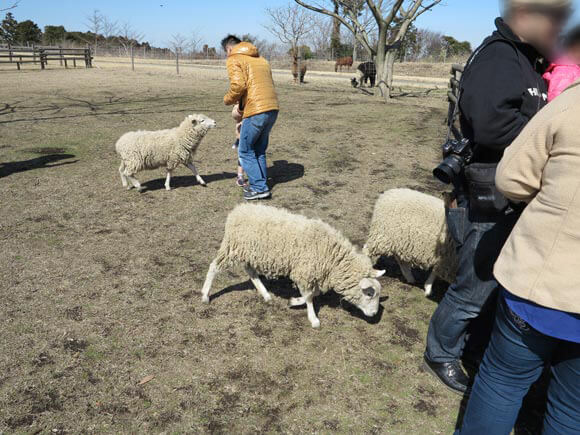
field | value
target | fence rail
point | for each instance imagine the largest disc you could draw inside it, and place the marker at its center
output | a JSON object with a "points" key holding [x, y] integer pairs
{"points": [[44, 55]]}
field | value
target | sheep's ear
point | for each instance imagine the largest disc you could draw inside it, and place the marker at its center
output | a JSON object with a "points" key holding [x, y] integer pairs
{"points": [[380, 273]]}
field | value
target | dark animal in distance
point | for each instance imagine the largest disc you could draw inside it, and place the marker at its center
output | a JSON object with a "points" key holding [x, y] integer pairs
{"points": [[303, 69], [343, 62], [367, 72]]}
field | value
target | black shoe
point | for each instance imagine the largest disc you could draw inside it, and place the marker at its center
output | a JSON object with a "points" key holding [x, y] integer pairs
{"points": [[251, 195], [450, 374]]}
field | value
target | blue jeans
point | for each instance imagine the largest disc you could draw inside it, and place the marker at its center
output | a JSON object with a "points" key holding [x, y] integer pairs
{"points": [[515, 359], [473, 294], [254, 139]]}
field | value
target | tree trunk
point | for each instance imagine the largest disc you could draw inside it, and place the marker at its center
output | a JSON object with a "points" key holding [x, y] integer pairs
{"points": [[381, 64], [355, 50], [335, 38]]}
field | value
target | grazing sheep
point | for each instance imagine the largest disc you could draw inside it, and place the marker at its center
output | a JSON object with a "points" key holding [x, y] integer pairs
{"points": [[411, 227], [140, 150], [317, 258]]}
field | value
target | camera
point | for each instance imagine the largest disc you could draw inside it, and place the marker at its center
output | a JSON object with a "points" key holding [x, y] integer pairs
{"points": [[456, 155]]}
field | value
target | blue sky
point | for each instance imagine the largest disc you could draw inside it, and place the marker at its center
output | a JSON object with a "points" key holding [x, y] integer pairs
{"points": [[468, 20]]}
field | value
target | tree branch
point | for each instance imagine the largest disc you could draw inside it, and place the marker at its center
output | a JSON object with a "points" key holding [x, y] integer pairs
{"points": [[14, 5]]}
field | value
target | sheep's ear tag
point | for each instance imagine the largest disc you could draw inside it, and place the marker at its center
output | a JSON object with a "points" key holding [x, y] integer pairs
{"points": [[380, 273]]}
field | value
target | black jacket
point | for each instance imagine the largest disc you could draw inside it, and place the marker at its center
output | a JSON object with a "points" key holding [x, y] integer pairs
{"points": [[502, 89]]}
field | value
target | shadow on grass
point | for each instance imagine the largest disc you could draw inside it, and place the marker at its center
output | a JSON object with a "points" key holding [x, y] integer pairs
{"points": [[44, 162], [393, 271], [285, 289], [186, 181], [281, 172]]}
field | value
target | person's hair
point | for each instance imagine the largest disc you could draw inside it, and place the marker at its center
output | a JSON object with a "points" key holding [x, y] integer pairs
{"points": [[230, 40], [572, 38]]}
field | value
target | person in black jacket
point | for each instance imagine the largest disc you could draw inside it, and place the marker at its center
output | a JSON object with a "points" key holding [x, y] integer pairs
{"points": [[501, 90]]}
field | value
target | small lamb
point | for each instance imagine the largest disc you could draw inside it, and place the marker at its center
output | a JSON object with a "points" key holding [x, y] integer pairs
{"points": [[317, 258], [411, 227], [140, 150]]}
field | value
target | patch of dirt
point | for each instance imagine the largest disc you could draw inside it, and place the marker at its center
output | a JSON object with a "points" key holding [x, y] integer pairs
{"points": [[425, 407], [404, 335], [74, 313], [75, 344]]}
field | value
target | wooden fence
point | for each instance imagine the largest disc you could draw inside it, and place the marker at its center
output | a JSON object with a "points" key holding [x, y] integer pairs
{"points": [[43, 55]]}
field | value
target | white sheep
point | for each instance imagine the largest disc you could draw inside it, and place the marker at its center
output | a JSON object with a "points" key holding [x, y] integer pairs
{"points": [[317, 258], [140, 150], [411, 227]]}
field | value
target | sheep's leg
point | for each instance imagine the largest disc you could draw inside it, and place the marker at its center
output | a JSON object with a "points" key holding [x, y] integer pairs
{"points": [[407, 273], [429, 284], [211, 274], [314, 321], [123, 178], [258, 283], [168, 181], [297, 302], [193, 169], [135, 182]]}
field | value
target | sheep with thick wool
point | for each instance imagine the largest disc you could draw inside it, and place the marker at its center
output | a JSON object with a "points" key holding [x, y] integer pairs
{"points": [[317, 258], [411, 227], [141, 150]]}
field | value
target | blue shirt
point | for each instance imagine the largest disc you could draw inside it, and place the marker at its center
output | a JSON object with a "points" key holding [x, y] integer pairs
{"points": [[554, 323]]}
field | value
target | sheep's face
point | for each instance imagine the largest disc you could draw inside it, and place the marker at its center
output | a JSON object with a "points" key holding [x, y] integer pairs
{"points": [[369, 295], [202, 121]]}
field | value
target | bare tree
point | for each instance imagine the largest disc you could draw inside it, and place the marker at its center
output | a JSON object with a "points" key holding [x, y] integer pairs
{"points": [[109, 28], [290, 24], [194, 42], [393, 19], [129, 37], [12, 6], [178, 44], [95, 25], [321, 38]]}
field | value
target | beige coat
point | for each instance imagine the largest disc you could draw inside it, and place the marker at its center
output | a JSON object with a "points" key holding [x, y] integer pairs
{"points": [[541, 260], [251, 81]]}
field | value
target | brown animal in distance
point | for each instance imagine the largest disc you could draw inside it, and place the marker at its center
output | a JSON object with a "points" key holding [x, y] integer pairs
{"points": [[303, 69], [343, 62]]}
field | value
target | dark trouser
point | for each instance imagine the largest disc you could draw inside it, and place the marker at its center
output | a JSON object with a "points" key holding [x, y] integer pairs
{"points": [[515, 359], [472, 295]]}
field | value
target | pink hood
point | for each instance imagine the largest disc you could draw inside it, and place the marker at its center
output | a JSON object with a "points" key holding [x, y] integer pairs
{"points": [[560, 75]]}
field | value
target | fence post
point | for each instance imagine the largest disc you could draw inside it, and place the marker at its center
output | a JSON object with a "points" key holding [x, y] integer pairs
{"points": [[177, 60], [60, 54], [299, 65], [34, 54], [10, 52], [42, 59], [132, 59]]}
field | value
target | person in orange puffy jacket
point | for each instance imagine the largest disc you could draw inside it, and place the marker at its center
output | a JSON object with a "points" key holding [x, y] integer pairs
{"points": [[566, 70], [252, 87]]}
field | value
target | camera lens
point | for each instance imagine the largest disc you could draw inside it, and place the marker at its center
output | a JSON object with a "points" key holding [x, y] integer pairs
{"points": [[447, 171]]}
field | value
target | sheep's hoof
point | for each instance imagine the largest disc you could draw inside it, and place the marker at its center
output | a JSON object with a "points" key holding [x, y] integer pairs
{"points": [[316, 324], [428, 291], [168, 188], [205, 300], [267, 299], [128, 187]]}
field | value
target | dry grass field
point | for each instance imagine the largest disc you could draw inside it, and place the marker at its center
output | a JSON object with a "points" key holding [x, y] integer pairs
{"points": [[100, 286]]}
